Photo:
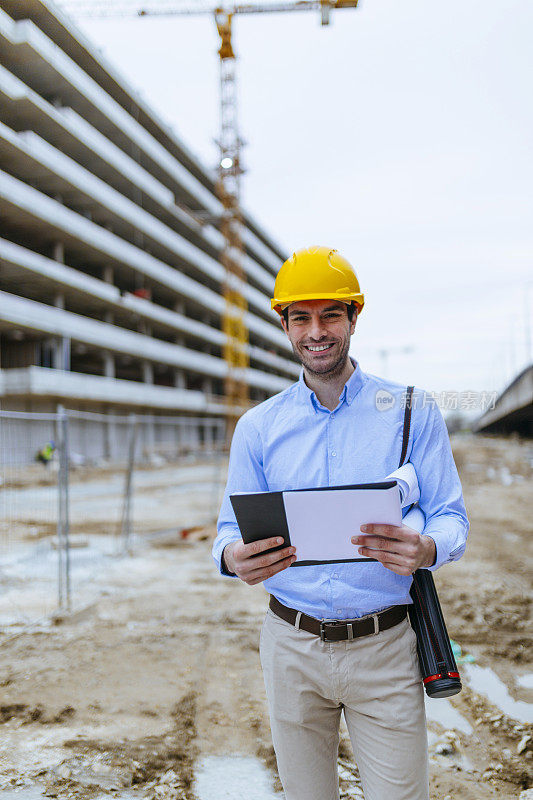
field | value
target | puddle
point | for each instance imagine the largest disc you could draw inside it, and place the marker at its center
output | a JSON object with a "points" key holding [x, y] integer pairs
{"points": [[228, 777], [525, 681], [441, 710], [486, 682]]}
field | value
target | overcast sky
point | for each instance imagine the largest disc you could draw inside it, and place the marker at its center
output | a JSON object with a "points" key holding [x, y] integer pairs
{"points": [[401, 135]]}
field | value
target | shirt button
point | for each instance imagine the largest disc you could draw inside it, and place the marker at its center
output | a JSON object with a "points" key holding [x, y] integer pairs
{"points": [[339, 610], [333, 453], [335, 575]]}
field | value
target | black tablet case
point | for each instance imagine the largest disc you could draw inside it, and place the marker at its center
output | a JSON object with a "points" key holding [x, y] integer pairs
{"points": [[261, 515]]}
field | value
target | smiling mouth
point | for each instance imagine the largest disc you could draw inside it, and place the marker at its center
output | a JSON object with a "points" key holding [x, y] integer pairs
{"points": [[318, 348]]}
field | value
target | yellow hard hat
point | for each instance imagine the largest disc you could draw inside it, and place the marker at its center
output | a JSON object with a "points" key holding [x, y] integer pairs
{"points": [[316, 273]]}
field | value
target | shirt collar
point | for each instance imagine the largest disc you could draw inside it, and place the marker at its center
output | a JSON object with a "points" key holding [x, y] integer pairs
{"points": [[349, 391]]}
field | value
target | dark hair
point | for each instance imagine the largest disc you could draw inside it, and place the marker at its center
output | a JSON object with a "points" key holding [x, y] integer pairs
{"points": [[350, 310]]}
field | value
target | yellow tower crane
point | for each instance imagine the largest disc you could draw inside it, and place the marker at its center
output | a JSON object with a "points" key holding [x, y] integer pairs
{"points": [[229, 171]]}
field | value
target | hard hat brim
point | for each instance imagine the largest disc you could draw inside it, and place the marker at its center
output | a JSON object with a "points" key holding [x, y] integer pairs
{"points": [[276, 302]]}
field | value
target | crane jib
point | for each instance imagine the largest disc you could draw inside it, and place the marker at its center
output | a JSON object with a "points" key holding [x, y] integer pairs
{"points": [[97, 8]]}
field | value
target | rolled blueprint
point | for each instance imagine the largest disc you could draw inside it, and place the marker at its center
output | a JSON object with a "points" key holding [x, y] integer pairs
{"points": [[408, 484], [440, 675], [437, 664]]}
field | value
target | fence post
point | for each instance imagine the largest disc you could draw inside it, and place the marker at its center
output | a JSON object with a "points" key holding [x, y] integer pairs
{"points": [[63, 544], [66, 490], [125, 526], [59, 528], [218, 456]]}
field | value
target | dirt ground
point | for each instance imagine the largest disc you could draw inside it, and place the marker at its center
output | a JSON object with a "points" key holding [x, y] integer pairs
{"points": [[122, 699]]}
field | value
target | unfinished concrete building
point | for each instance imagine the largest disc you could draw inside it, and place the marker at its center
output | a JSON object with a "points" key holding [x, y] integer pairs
{"points": [[513, 409], [110, 274]]}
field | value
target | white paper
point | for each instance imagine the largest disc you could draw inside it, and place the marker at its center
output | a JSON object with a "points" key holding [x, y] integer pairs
{"points": [[321, 523], [408, 483]]}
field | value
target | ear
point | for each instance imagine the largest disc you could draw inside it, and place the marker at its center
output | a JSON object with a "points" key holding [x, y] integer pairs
{"points": [[353, 323]]}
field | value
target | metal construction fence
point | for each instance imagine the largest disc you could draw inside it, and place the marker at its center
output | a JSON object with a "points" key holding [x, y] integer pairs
{"points": [[76, 488]]}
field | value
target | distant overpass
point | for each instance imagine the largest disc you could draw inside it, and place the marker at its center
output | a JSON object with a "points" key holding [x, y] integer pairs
{"points": [[513, 410]]}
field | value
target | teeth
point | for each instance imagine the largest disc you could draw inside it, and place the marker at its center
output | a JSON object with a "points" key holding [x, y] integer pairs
{"points": [[318, 348]]}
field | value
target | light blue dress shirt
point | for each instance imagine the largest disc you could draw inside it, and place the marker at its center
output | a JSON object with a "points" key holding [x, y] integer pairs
{"points": [[291, 441]]}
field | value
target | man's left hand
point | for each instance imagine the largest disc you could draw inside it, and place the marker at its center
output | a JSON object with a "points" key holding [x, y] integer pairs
{"points": [[399, 548]]}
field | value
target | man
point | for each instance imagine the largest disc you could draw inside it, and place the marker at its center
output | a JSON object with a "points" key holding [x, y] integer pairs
{"points": [[337, 426], [46, 453]]}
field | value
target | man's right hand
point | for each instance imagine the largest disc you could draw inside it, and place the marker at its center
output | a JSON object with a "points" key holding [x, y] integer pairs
{"points": [[250, 562]]}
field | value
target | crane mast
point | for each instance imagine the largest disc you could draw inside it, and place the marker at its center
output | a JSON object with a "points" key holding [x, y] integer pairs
{"points": [[229, 192], [229, 171]]}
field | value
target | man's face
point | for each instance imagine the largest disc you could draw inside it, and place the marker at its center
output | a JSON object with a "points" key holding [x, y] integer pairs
{"points": [[320, 331]]}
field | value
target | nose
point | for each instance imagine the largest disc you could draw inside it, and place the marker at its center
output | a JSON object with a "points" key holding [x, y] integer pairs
{"points": [[317, 329]]}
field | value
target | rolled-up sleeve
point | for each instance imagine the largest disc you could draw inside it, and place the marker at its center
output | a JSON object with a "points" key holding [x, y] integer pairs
{"points": [[245, 474], [441, 496]]}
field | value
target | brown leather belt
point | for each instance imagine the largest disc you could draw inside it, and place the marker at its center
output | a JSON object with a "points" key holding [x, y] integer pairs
{"points": [[334, 630]]}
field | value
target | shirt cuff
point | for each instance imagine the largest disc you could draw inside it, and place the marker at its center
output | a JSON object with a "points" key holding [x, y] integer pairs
{"points": [[218, 549], [449, 546]]}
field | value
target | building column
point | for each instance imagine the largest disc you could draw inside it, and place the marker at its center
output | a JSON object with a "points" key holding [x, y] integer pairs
{"points": [[58, 252], [146, 366], [195, 436], [148, 371], [65, 353], [207, 383], [59, 352], [109, 358], [209, 441], [180, 379], [206, 320], [109, 365], [60, 345], [109, 438]]}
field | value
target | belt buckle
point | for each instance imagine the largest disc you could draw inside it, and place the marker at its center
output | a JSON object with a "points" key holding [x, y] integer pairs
{"points": [[324, 622], [349, 625]]}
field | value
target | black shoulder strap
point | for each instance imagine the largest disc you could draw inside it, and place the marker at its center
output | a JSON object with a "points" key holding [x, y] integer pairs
{"points": [[406, 422]]}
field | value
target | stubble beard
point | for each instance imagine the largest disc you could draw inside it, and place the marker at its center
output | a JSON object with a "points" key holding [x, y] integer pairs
{"points": [[331, 372]]}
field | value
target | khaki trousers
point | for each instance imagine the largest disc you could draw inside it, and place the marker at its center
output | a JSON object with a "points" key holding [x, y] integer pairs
{"points": [[375, 680]]}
